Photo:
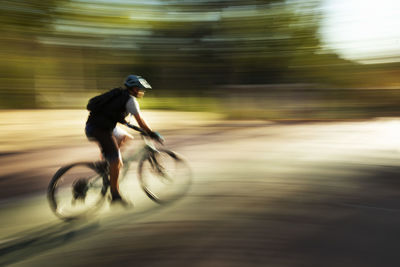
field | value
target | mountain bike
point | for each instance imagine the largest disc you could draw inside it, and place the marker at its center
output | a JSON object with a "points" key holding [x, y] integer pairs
{"points": [[79, 189]]}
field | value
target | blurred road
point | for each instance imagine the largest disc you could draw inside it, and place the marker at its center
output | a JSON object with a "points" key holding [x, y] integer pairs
{"points": [[264, 194]]}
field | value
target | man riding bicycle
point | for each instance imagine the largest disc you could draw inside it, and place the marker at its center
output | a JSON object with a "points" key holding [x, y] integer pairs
{"points": [[106, 111]]}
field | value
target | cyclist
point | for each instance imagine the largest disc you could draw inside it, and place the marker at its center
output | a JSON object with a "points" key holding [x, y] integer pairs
{"points": [[101, 125]]}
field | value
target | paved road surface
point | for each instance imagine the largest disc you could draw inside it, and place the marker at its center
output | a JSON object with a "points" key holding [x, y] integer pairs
{"points": [[264, 194]]}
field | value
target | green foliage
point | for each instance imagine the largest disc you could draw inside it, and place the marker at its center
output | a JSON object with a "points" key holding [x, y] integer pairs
{"points": [[57, 53]]}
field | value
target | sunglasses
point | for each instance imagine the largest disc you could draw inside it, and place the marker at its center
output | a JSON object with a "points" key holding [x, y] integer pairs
{"points": [[139, 89]]}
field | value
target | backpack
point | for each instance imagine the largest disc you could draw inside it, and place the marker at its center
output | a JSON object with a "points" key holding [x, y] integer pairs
{"points": [[96, 103]]}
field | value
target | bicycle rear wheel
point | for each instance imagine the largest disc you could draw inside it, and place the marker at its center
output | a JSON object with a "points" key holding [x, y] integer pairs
{"points": [[77, 190], [164, 176]]}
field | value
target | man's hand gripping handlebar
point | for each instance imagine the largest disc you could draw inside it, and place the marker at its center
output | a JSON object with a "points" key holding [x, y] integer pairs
{"points": [[153, 135]]}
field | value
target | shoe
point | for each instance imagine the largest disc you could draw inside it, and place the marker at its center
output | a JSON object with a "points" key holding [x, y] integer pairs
{"points": [[117, 199]]}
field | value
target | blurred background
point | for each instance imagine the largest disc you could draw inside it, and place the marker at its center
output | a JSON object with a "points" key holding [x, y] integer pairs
{"points": [[280, 106], [253, 59]]}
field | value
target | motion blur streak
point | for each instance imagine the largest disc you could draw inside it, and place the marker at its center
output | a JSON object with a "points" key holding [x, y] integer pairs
{"points": [[273, 53], [286, 110]]}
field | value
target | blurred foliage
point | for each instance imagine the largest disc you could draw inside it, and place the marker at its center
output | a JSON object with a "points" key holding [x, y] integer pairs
{"points": [[58, 53]]}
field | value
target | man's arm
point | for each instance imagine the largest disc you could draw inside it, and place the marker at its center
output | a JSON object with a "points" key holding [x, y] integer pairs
{"points": [[142, 123], [133, 108], [144, 126]]}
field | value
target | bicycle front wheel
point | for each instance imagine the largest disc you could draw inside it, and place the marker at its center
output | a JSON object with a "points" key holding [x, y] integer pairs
{"points": [[164, 176], [77, 190]]}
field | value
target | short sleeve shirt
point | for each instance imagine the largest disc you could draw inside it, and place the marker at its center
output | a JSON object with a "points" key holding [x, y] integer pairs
{"points": [[132, 106]]}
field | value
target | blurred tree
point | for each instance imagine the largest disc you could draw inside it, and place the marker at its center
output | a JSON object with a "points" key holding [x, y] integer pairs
{"points": [[232, 42], [54, 50], [27, 17], [22, 22]]}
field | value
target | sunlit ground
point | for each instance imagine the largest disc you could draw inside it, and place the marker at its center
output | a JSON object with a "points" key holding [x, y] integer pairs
{"points": [[268, 193], [28, 129]]}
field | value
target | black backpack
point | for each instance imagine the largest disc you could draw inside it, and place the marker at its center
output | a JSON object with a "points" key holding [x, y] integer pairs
{"points": [[98, 102]]}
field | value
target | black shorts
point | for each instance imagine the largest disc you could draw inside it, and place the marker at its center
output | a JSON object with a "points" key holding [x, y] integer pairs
{"points": [[107, 142]]}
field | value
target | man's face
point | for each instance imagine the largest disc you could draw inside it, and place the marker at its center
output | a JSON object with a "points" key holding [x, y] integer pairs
{"points": [[137, 92]]}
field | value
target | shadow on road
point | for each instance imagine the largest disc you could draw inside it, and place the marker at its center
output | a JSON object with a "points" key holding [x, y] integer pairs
{"points": [[378, 189], [36, 240], [356, 228]]}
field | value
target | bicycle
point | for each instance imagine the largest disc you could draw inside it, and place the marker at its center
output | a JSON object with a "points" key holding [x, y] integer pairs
{"points": [[79, 189]]}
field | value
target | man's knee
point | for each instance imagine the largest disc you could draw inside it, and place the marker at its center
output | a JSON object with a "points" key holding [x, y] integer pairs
{"points": [[123, 140], [116, 162]]}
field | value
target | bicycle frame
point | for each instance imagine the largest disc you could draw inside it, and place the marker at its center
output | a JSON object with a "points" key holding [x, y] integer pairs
{"points": [[147, 148], [146, 154]]}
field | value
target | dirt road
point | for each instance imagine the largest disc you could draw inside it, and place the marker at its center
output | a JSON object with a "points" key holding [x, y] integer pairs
{"points": [[264, 194]]}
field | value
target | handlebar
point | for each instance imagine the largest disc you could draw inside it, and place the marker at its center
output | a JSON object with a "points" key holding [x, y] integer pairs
{"points": [[144, 133], [140, 130]]}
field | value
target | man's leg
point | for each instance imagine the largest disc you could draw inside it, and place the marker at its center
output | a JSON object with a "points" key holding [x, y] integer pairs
{"points": [[121, 136], [115, 167], [121, 141], [109, 147]]}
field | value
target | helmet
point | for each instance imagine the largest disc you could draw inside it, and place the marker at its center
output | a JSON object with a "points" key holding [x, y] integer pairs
{"points": [[136, 81]]}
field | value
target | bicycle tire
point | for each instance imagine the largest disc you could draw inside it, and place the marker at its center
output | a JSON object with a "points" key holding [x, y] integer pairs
{"points": [[68, 184], [169, 184]]}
